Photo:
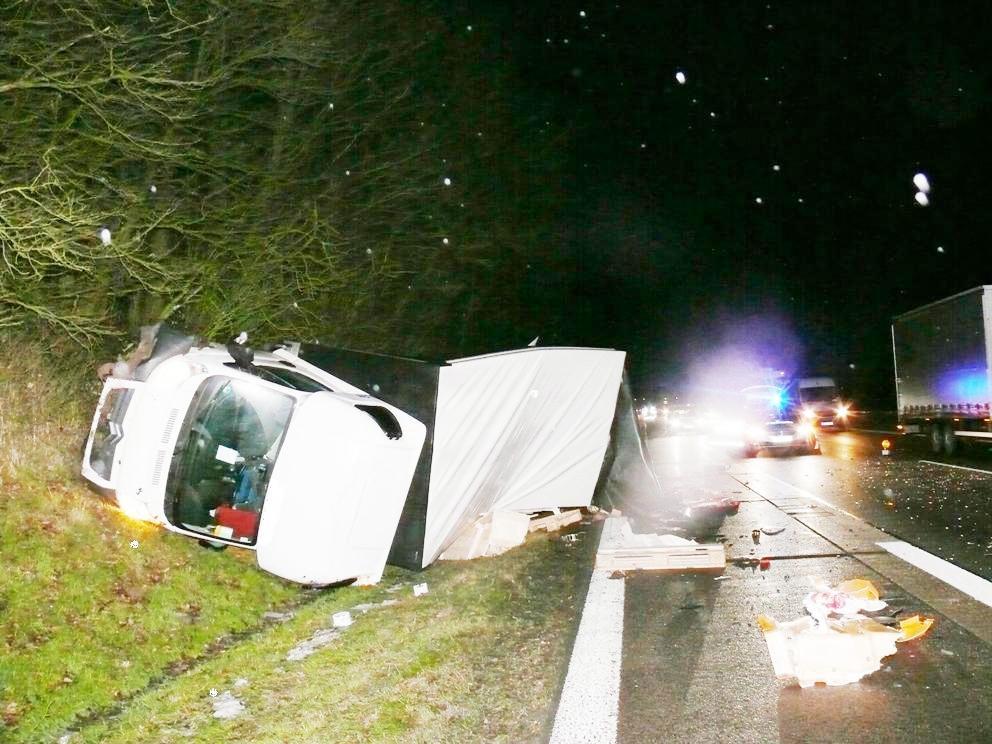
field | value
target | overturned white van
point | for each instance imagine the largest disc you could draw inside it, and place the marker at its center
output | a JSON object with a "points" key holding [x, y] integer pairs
{"points": [[329, 462]]}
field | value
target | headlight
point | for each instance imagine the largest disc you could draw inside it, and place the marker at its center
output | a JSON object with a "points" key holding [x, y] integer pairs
{"points": [[756, 432], [842, 411], [805, 430], [809, 413]]}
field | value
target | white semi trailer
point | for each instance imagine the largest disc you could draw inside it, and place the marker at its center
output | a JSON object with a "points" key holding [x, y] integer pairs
{"points": [[942, 354]]}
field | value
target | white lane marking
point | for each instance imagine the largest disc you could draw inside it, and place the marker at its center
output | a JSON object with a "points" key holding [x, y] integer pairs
{"points": [[876, 431], [978, 434], [960, 579], [957, 467], [809, 495], [589, 708]]}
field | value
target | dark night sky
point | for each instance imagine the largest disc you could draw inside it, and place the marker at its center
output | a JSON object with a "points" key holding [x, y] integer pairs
{"points": [[770, 197]]}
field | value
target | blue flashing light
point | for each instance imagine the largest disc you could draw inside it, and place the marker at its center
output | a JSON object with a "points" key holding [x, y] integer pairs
{"points": [[969, 385]]}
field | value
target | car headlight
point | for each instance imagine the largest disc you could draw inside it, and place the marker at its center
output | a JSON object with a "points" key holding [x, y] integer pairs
{"points": [[809, 413], [805, 430], [842, 411]]}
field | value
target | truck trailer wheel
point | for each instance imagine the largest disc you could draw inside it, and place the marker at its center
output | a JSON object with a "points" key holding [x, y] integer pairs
{"points": [[949, 439], [936, 441]]}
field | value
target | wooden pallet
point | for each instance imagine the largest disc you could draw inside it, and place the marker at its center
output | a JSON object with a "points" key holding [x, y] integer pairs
{"points": [[556, 520], [622, 550]]}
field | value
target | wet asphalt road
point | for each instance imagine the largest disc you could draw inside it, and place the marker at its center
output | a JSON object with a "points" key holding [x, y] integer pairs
{"points": [[696, 669]]}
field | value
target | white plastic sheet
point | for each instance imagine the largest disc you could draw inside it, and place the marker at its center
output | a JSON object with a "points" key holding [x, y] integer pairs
{"points": [[521, 431]]}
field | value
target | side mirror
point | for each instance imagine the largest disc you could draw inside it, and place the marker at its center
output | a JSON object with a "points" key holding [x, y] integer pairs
{"points": [[242, 354]]}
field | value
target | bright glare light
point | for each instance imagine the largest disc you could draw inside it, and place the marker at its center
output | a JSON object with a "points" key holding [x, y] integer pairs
{"points": [[922, 199], [921, 182], [680, 77], [809, 413], [805, 430], [842, 411]]}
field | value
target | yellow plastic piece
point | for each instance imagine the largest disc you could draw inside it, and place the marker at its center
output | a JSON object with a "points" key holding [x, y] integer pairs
{"points": [[766, 623], [859, 588], [914, 627]]}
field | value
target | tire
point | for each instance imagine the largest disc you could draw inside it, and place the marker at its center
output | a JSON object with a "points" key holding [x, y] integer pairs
{"points": [[936, 442], [949, 439]]}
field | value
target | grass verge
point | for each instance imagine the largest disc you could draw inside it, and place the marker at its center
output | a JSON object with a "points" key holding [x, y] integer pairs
{"points": [[478, 659]]}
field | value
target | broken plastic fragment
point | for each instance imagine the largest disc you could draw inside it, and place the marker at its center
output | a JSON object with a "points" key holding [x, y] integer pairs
{"points": [[860, 588], [914, 627], [341, 619], [420, 590], [847, 599]]}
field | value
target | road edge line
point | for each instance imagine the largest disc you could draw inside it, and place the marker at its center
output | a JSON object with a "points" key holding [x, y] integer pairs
{"points": [[589, 706], [957, 467], [961, 579]]}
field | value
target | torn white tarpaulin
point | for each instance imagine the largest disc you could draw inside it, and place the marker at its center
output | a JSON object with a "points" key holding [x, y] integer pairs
{"points": [[518, 431]]}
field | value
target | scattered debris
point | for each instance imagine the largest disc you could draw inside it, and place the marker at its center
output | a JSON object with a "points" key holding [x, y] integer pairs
{"points": [[571, 538], [773, 530], [721, 578], [240, 682], [420, 590], [849, 598], [341, 619], [756, 536], [836, 644], [318, 640], [946, 652], [764, 564], [277, 617], [227, 706]]}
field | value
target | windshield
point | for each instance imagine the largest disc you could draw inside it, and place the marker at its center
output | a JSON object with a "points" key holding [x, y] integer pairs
{"points": [[818, 394], [108, 431], [222, 462]]}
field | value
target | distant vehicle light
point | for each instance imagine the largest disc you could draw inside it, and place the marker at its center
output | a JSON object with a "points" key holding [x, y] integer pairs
{"points": [[805, 429], [808, 413], [842, 410], [886, 444]]}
